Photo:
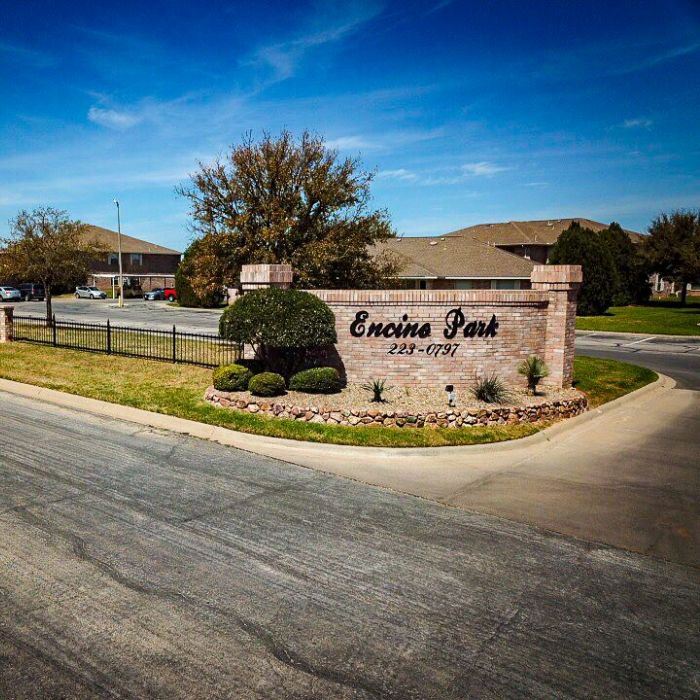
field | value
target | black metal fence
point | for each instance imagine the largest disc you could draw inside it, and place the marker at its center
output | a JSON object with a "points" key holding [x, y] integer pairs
{"points": [[205, 349]]}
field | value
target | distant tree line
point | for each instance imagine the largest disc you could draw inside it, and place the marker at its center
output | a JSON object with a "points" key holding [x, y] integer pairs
{"points": [[617, 269]]}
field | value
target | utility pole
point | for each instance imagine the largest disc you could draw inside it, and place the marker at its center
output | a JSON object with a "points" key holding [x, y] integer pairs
{"points": [[119, 244]]}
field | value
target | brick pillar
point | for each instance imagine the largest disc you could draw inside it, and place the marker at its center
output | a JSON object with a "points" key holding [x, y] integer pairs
{"points": [[259, 276], [562, 282], [6, 324]]}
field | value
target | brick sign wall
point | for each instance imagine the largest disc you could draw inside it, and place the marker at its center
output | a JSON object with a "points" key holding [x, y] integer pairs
{"points": [[434, 338], [418, 337]]}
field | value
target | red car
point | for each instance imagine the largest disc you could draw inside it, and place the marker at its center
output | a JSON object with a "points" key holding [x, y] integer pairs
{"points": [[167, 293]]}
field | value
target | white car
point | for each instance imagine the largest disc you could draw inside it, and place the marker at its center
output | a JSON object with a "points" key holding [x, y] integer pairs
{"points": [[10, 294], [89, 293]]}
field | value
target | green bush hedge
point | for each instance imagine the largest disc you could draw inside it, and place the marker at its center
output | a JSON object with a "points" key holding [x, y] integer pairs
{"points": [[282, 325], [267, 384], [232, 378], [319, 380]]}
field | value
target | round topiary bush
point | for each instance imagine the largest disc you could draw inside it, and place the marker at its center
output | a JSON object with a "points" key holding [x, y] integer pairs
{"points": [[282, 325], [267, 384], [232, 378], [319, 380]]}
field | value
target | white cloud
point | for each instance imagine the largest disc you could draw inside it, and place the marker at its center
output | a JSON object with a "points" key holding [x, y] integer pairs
{"points": [[483, 169], [398, 174], [284, 57], [439, 6], [350, 143], [639, 123], [21, 54], [112, 118]]}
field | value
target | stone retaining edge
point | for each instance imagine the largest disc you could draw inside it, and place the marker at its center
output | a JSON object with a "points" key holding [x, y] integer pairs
{"points": [[485, 417]]}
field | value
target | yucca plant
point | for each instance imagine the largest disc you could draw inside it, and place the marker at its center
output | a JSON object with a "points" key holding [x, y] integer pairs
{"points": [[534, 370], [491, 389], [378, 388]]}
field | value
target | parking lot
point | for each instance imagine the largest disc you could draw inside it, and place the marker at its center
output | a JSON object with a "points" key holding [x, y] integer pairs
{"points": [[136, 312]]}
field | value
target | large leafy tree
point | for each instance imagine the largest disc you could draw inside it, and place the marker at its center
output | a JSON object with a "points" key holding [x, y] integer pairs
{"points": [[282, 200], [673, 248], [581, 246], [633, 285], [46, 246], [206, 265]]}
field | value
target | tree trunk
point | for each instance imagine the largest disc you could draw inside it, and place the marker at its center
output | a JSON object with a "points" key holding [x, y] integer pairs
{"points": [[49, 309], [684, 292]]}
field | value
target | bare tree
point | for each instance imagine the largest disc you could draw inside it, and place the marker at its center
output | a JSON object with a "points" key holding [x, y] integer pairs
{"points": [[46, 246]]}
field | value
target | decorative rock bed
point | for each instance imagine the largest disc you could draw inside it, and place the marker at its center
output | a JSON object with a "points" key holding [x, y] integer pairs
{"points": [[546, 410]]}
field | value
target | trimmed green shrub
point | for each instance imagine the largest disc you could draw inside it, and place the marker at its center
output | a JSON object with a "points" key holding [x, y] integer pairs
{"points": [[318, 380], [282, 325], [232, 378], [491, 389], [267, 384]]}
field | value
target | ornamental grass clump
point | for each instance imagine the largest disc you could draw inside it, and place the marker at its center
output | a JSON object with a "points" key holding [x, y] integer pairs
{"points": [[378, 388], [534, 370], [491, 389], [318, 380], [267, 384], [231, 377]]}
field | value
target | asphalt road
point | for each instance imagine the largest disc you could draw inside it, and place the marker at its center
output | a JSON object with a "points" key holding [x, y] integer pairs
{"points": [[136, 564], [136, 312]]}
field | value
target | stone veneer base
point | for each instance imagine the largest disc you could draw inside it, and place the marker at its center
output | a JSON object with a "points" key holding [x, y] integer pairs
{"points": [[463, 418]]}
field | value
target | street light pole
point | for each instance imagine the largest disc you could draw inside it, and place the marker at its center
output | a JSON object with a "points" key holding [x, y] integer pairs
{"points": [[119, 244]]}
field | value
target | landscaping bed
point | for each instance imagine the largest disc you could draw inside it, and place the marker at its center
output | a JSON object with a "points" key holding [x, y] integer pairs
{"points": [[177, 390], [405, 407]]}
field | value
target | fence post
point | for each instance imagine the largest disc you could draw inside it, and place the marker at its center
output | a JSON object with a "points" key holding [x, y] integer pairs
{"points": [[109, 338], [53, 330], [174, 345]]}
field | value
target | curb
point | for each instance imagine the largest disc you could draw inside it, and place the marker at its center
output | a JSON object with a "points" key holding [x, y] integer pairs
{"points": [[274, 447], [693, 339]]}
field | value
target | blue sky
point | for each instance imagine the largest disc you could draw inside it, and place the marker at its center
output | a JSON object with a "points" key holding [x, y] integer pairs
{"points": [[469, 111]]}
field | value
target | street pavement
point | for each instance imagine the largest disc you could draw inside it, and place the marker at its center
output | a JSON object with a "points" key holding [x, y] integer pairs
{"points": [[136, 312], [143, 564]]}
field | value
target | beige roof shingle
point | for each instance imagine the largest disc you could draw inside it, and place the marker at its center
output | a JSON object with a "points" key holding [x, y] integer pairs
{"points": [[456, 256], [107, 240], [544, 232]]}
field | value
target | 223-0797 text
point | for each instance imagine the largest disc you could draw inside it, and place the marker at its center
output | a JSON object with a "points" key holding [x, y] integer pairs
{"points": [[434, 349]]}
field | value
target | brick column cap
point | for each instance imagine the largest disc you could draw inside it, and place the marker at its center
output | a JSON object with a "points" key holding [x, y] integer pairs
{"points": [[267, 275], [557, 274]]}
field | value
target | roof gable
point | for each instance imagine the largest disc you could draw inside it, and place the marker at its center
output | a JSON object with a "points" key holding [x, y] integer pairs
{"points": [[108, 239]]}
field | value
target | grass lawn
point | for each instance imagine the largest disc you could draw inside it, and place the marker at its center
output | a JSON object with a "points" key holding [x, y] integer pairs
{"points": [[662, 317], [177, 390]]}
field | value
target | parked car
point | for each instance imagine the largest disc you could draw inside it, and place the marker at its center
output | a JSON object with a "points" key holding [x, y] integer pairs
{"points": [[32, 292], [10, 294], [89, 293], [168, 293]]}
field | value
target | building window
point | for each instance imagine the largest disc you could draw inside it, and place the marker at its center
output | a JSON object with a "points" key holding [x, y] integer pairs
{"points": [[113, 259], [505, 284], [136, 258]]}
